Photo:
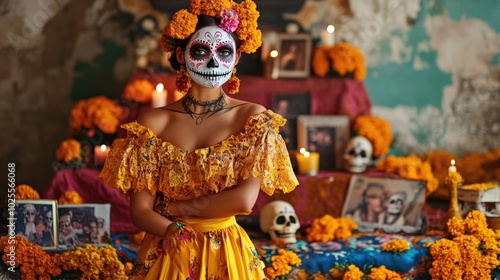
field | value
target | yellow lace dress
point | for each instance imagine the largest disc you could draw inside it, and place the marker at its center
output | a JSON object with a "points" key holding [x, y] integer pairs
{"points": [[221, 249]]}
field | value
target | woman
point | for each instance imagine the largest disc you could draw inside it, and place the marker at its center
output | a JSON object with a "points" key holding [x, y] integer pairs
{"points": [[193, 165]]}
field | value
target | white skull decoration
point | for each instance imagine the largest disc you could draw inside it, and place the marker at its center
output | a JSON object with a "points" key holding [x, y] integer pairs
{"points": [[358, 154], [278, 218]]}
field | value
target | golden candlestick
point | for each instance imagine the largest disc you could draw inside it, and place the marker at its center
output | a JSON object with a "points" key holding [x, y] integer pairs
{"points": [[453, 181]]}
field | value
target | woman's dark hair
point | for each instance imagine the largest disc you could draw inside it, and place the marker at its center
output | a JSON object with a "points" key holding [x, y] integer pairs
{"points": [[203, 21]]}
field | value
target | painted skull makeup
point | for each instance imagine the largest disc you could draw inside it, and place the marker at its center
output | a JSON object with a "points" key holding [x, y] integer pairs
{"points": [[210, 56]]}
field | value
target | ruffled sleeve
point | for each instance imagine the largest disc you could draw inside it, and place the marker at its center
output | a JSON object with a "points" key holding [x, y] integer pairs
{"points": [[132, 163], [268, 158]]}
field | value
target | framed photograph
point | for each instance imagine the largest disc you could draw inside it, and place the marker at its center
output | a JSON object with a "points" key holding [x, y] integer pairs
{"points": [[294, 56], [325, 134], [82, 224], [290, 106], [36, 219], [389, 204]]}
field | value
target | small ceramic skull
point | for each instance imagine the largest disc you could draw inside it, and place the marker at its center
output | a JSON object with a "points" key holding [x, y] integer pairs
{"points": [[279, 220], [358, 154]]}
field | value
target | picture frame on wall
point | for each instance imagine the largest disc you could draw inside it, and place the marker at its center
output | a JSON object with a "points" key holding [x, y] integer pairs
{"points": [[36, 219], [388, 204], [290, 106], [82, 224], [294, 56], [326, 134]]}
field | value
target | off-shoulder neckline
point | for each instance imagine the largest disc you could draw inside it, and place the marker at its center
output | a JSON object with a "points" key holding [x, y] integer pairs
{"points": [[161, 141]]}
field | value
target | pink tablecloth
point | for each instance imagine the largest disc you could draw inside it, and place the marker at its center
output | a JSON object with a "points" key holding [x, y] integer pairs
{"points": [[92, 189]]}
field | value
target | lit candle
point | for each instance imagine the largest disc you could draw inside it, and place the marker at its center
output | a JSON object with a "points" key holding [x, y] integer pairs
{"points": [[100, 154], [159, 96], [452, 167], [307, 162], [275, 70], [328, 36]]}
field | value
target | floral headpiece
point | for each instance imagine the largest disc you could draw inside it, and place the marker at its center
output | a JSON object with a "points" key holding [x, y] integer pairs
{"points": [[239, 18]]}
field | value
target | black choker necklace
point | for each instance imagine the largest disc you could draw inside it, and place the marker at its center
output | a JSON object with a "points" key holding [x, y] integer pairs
{"points": [[211, 107]]}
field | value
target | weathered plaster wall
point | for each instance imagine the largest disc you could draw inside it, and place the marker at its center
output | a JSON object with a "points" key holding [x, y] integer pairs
{"points": [[52, 53]]}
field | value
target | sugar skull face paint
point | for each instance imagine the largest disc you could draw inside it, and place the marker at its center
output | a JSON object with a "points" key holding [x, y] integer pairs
{"points": [[210, 56]]}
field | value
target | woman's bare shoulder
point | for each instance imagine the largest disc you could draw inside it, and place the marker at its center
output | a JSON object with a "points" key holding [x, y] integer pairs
{"points": [[154, 119], [246, 109]]}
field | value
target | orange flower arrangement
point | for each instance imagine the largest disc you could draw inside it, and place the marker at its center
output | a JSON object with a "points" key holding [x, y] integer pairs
{"points": [[33, 261], [396, 245], [375, 129], [70, 197], [410, 167], [97, 112], [329, 228], [139, 90], [26, 192], [69, 150], [342, 58], [471, 253], [93, 262], [282, 263]]}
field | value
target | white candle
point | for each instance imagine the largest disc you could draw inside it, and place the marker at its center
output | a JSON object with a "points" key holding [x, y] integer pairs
{"points": [[452, 167], [328, 36], [159, 96], [100, 154]]}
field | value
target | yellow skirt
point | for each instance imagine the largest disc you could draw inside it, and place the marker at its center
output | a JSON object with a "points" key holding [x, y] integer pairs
{"points": [[219, 249]]}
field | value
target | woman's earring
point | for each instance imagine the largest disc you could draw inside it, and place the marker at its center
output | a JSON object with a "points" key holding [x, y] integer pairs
{"points": [[233, 85], [183, 81]]}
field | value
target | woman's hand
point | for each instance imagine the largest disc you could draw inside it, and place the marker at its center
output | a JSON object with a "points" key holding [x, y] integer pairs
{"points": [[178, 233]]}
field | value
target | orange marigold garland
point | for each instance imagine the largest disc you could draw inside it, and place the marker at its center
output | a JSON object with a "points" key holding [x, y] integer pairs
{"points": [[410, 167], [183, 23], [94, 262], [32, 261], [26, 192], [70, 197]]}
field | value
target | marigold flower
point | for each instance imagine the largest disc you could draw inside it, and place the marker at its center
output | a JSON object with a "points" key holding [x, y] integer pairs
{"points": [[26, 192], [353, 273], [377, 130], [341, 58], [97, 112], [328, 228], [410, 167], [70, 197], [69, 150], [139, 90], [396, 245], [282, 263]]}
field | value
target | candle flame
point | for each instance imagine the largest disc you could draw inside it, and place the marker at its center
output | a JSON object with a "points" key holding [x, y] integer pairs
{"points": [[306, 154], [103, 148], [302, 150], [273, 53], [452, 162], [159, 87], [330, 28]]}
